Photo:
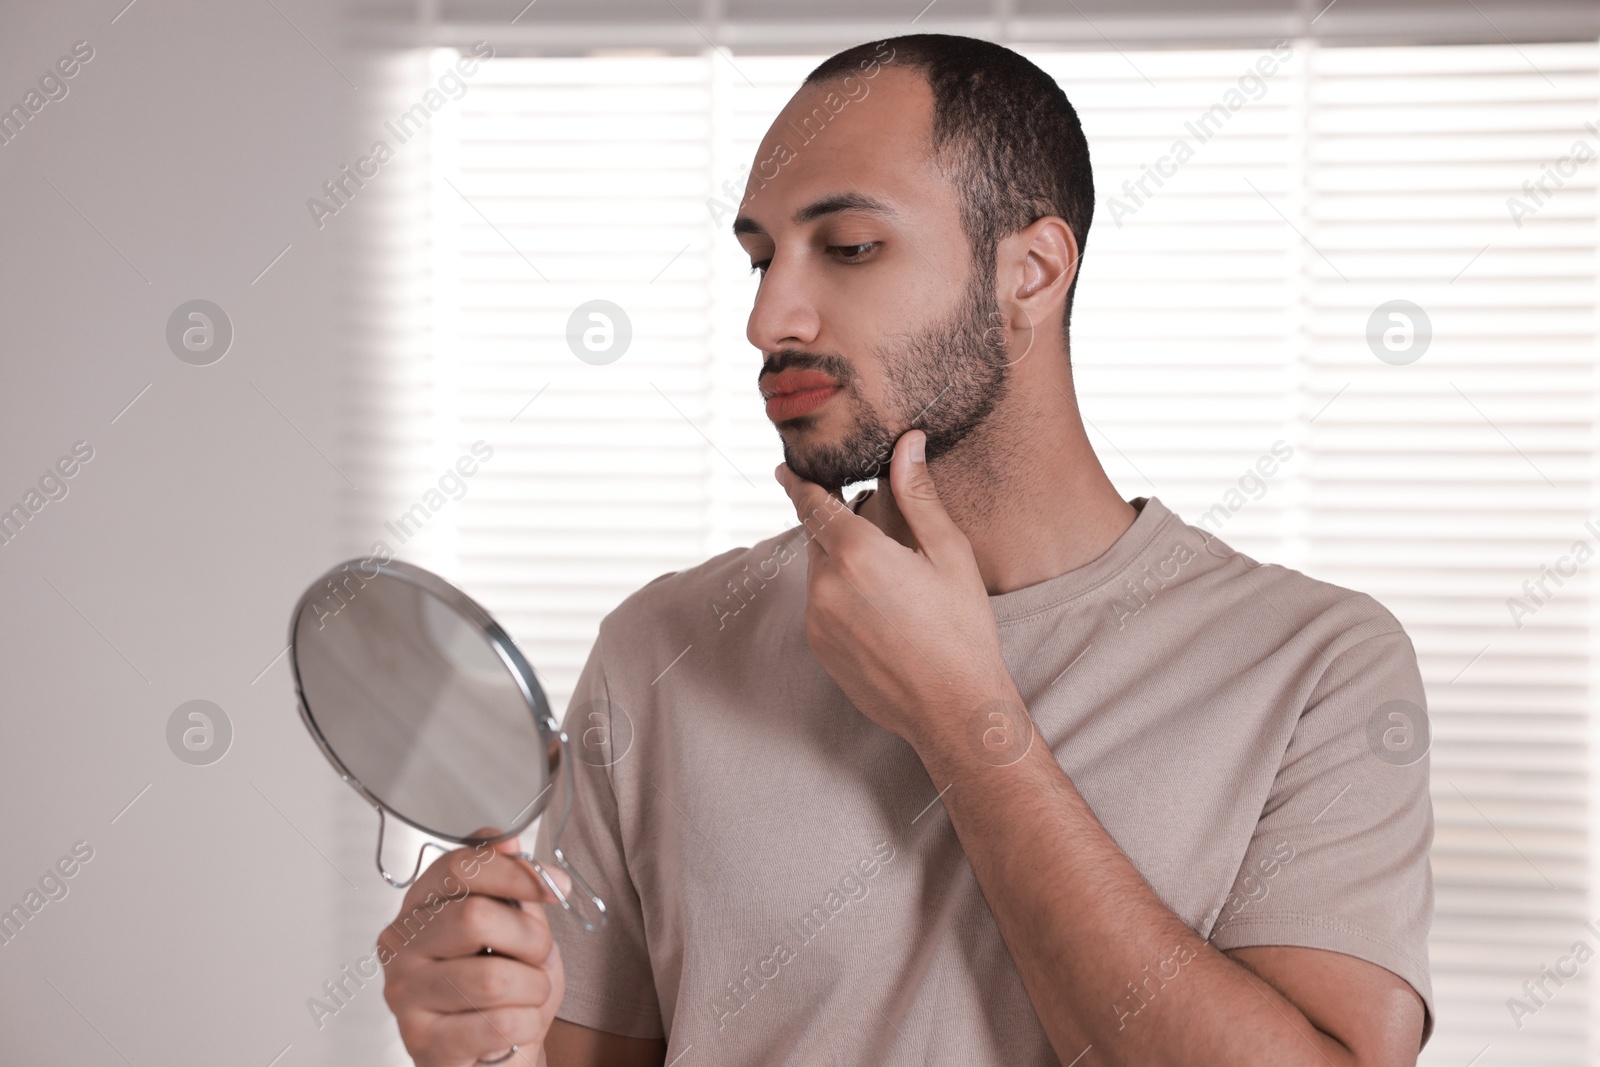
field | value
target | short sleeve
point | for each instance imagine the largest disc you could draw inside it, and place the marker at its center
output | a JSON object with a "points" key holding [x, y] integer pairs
{"points": [[1339, 857], [610, 985]]}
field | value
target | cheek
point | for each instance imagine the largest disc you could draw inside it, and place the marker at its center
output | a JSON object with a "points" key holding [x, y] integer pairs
{"points": [[866, 312], [872, 380]]}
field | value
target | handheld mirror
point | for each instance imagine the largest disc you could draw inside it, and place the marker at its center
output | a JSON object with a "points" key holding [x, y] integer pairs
{"points": [[427, 708]]}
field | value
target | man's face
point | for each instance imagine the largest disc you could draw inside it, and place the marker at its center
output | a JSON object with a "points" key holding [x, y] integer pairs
{"points": [[871, 317]]}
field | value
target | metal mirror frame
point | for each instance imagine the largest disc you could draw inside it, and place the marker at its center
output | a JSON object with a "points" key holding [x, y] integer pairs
{"points": [[554, 738]]}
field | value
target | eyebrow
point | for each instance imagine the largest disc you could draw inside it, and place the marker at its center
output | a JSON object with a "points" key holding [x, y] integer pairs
{"points": [[828, 205]]}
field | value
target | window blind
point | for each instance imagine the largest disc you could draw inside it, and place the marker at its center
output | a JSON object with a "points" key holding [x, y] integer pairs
{"points": [[1443, 485], [768, 27], [1223, 317]]}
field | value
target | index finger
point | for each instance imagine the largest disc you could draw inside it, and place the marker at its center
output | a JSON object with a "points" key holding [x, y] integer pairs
{"points": [[827, 519]]}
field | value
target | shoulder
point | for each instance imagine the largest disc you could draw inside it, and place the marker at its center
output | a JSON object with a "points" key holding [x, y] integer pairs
{"points": [[1311, 636], [1268, 598]]}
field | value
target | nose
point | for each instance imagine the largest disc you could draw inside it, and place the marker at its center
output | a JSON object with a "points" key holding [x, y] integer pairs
{"points": [[784, 314]]}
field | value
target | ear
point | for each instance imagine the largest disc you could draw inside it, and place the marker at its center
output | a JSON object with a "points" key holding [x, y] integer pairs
{"points": [[1035, 269]]}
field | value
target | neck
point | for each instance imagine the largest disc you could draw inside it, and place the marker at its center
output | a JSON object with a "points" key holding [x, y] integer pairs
{"points": [[1026, 488]]}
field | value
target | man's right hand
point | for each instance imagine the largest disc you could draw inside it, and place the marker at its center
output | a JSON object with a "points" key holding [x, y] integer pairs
{"points": [[454, 1004]]}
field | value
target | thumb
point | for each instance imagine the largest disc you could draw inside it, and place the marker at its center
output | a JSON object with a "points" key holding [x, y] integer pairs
{"points": [[918, 498], [512, 846]]}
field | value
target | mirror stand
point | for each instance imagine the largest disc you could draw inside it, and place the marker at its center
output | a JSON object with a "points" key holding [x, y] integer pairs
{"points": [[598, 906], [421, 852]]}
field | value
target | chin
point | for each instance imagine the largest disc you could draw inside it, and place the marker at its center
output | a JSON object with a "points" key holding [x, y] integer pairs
{"points": [[837, 447], [834, 467]]}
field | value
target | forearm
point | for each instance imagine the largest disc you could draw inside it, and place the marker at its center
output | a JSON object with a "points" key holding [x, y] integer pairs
{"points": [[1106, 964]]}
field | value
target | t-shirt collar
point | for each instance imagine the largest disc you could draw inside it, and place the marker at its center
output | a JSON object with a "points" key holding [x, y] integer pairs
{"points": [[1051, 592]]}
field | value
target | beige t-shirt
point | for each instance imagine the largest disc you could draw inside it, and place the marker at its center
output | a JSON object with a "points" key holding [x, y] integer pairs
{"points": [[782, 885]]}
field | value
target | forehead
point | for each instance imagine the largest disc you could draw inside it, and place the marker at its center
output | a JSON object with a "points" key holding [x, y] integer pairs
{"points": [[851, 134]]}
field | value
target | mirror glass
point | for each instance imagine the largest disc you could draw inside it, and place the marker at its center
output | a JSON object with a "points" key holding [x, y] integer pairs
{"points": [[417, 695]]}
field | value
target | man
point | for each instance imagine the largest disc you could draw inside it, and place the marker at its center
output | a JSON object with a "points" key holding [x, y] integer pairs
{"points": [[988, 766]]}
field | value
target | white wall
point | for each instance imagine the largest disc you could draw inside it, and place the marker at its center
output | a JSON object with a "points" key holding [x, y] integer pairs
{"points": [[212, 908]]}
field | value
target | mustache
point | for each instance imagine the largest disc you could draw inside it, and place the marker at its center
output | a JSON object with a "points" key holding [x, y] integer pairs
{"points": [[836, 367]]}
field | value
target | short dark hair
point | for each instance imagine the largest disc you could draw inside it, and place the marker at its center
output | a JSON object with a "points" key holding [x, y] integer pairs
{"points": [[1005, 131]]}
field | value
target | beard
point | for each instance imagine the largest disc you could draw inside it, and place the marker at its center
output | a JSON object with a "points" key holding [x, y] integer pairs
{"points": [[946, 381]]}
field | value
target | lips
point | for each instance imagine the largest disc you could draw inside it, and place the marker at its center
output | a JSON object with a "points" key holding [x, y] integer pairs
{"points": [[793, 393]]}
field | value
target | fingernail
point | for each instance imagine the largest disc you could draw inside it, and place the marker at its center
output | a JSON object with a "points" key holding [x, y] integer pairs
{"points": [[917, 447]]}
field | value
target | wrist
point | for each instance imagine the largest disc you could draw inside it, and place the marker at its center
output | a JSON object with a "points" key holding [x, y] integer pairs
{"points": [[986, 728]]}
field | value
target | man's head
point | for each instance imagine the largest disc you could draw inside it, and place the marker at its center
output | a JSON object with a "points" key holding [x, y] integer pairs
{"points": [[918, 211]]}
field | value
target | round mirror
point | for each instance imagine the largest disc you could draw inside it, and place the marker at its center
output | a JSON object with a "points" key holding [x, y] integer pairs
{"points": [[423, 702], [427, 708]]}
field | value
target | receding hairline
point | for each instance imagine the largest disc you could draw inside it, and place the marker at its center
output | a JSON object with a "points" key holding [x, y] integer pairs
{"points": [[833, 203], [1003, 127]]}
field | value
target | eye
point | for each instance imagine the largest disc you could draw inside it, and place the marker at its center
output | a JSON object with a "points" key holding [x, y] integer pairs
{"points": [[853, 253], [760, 267]]}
